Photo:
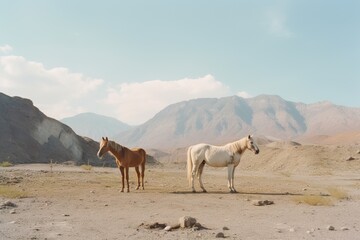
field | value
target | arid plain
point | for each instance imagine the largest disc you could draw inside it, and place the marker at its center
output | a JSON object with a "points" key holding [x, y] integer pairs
{"points": [[315, 189]]}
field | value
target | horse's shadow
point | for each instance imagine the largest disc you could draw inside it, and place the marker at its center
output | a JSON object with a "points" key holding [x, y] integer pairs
{"points": [[242, 193]]}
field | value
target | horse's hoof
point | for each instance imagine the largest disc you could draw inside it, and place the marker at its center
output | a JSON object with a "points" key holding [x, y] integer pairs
{"points": [[137, 188], [204, 190], [194, 191], [122, 190]]}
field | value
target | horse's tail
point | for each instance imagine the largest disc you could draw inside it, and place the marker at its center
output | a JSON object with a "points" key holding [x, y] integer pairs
{"points": [[189, 165], [143, 152]]}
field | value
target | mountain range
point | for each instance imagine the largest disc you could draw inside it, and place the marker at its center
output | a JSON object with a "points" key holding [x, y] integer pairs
{"points": [[218, 121], [95, 126]]}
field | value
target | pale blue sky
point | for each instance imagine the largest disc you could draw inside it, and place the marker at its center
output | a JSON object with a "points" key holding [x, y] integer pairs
{"points": [[303, 51]]}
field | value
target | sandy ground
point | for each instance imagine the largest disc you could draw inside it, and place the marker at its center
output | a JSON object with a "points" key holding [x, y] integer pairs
{"points": [[69, 202]]}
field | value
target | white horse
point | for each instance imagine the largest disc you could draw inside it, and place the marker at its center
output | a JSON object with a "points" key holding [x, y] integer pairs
{"points": [[217, 156]]}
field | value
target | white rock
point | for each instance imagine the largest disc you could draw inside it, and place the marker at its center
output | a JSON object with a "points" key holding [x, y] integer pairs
{"points": [[167, 228], [187, 222]]}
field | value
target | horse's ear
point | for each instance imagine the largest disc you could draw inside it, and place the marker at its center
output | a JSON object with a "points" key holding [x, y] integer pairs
{"points": [[103, 138], [106, 139], [249, 137]]}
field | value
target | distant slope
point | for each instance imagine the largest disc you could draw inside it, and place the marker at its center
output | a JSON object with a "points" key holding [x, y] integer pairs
{"points": [[226, 119], [29, 136], [94, 125]]}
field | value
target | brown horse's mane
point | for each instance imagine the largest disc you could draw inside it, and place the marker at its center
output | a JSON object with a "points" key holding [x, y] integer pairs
{"points": [[117, 147]]}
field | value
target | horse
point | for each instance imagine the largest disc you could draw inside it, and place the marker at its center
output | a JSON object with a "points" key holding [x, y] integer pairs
{"points": [[217, 156], [125, 158]]}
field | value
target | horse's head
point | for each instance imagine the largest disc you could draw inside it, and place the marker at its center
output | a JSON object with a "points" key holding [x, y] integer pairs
{"points": [[103, 147], [251, 145]]}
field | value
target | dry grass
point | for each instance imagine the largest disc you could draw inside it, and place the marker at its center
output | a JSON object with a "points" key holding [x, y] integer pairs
{"points": [[314, 200], [6, 164], [12, 192], [338, 193], [285, 174], [86, 167]]}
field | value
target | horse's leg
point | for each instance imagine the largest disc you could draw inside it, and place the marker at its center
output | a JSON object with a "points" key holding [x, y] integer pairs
{"points": [[142, 174], [127, 178], [233, 174], [138, 176], [122, 178], [201, 168], [193, 174], [230, 177]]}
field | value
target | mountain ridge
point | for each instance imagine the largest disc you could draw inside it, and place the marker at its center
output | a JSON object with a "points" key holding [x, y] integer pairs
{"points": [[226, 119], [94, 125]]}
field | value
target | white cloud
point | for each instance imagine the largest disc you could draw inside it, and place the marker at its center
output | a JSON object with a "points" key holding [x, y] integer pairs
{"points": [[6, 48], [136, 102], [244, 94], [55, 91], [60, 93]]}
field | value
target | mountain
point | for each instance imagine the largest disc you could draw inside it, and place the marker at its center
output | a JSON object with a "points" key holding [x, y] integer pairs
{"points": [[218, 121], [95, 126], [29, 136]]}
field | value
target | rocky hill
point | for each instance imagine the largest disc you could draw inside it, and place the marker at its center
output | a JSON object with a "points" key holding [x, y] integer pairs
{"points": [[28, 136], [226, 119]]}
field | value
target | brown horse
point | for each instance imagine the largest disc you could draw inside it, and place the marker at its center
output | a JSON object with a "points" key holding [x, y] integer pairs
{"points": [[125, 158]]}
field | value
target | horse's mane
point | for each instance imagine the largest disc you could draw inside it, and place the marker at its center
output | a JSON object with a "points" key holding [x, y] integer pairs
{"points": [[237, 146], [117, 147]]}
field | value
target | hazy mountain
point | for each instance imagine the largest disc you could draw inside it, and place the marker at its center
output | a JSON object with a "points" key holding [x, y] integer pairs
{"points": [[29, 136], [95, 126], [227, 119]]}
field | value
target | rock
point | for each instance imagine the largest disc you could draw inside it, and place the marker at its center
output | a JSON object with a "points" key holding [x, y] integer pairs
{"points": [[350, 159], [176, 226], [197, 226], [167, 228], [331, 228], [12, 211], [225, 228], [344, 228], [8, 204], [262, 203], [220, 235], [157, 225], [187, 222]]}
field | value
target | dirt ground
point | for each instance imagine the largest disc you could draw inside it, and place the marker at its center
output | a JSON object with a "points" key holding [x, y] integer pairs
{"points": [[70, 202]]}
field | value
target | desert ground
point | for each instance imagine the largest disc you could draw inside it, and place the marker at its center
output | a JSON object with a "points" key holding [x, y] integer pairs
{"points": [[311, 200]]}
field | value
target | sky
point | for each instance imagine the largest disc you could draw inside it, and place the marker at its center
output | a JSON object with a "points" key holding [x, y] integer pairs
{"points": [[130, 59]]}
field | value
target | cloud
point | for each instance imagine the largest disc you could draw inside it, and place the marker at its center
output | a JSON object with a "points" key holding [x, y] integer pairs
{"points": [[60, 93], [57, 91], [244, 94], [6, 48], [135, 102]]}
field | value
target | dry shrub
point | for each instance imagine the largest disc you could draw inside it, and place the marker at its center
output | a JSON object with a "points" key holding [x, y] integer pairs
{"points": [[12, 192], [6, 164], [338, 193], [314, 200]]}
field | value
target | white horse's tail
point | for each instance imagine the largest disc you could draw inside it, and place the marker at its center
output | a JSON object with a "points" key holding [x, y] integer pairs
{"points": [[189, 165]]}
